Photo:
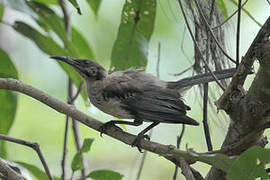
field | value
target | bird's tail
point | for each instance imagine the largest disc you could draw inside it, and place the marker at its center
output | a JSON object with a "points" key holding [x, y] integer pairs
{"points": [[202, 78]]}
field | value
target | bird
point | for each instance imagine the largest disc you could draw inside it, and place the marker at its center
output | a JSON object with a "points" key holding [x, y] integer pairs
{"points": [[137, 95]]}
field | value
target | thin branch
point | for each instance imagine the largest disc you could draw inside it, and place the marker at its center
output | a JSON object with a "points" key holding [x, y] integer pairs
{"points": [[170, 152], [70, 93], [6, 172], [238, 33], [71, 98], [197, 47], [64, 154], [78, 142], [66, 17], [184, 71], [248, 13], [178, 141], [226, 20], [205, 124], [143, 160], [211, 32], [32, 145]]}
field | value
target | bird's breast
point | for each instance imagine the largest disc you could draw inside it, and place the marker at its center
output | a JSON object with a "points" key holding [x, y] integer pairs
{"points": [[111, 106]]}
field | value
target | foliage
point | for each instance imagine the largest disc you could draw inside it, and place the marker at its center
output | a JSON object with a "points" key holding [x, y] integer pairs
{"points": [[8, 99]]}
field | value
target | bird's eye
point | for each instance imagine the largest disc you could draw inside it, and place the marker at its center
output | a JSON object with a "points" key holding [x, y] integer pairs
{"points": [[92, 71]]}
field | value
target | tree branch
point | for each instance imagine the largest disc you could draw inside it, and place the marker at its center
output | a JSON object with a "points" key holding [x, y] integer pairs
{"points": [[247, 110], [8, 173], [32, 145], [168, 151]]}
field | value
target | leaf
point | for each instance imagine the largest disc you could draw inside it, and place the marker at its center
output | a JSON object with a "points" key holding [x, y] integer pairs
{"points": [[94, 4], [35, 171], [87, 143], [250, 164], [135, 30], [220, 161], [8, 99], [76, 5], [76, 163], [50, 47], [83, 48], [1, 11], [48, 2], [19, 6], [222, 7], [105, 175]]}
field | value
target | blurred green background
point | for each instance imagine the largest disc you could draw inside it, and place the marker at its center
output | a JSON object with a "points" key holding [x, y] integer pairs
{"points": [[39, 123]]}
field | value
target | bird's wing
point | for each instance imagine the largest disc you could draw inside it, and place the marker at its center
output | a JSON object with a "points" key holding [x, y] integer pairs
{"points": [[121, 87], [158, 105]]}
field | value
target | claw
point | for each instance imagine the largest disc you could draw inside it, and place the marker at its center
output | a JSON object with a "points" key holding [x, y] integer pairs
{"points": [[137, 141], [106, 126]]}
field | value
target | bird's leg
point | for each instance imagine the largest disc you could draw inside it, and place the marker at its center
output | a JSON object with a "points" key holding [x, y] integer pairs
{"points": [[109, 124], [142, 135]]}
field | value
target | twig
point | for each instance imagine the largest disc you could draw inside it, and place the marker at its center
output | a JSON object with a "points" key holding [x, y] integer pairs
{"points": [[205, 87], [211, 32], [178, 141], [249, 15], [64, 154], [6, 172], [78, 142], [70, 93], [197, 47], [184, 71], [226, 20], [158, 61], [238, 33], [205, 124], [143, 160], [72, 98], [151, 131], [32, 145], [66, 17]]}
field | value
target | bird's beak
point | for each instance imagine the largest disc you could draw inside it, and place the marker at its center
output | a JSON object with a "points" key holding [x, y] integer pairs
{"points": [[73, 62]]}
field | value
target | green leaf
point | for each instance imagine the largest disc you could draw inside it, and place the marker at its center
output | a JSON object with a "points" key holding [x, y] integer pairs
{"points": [[87, 143], [94, 4], [220, 161], [19, 6], [35, 171], [105, 175], [135, 30], [48, 2], [250, 164], [1, 11], [76, 5], [76, 163], [50, 47], [82, 47], [222, 7], [8, 99]]}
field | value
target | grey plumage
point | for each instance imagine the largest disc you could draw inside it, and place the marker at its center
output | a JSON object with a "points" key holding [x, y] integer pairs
{"points": [[134, 95]]}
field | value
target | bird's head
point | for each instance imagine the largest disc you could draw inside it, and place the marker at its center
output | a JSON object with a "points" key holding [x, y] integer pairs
{"points": [[89, 70]]}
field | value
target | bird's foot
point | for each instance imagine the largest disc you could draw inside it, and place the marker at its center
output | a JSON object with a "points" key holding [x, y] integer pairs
{"points": [[107, 126], [137, 141]]}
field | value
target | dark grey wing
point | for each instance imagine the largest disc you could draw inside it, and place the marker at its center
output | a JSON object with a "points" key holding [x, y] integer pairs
{"points": [[158, 105], [121, 87]]}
